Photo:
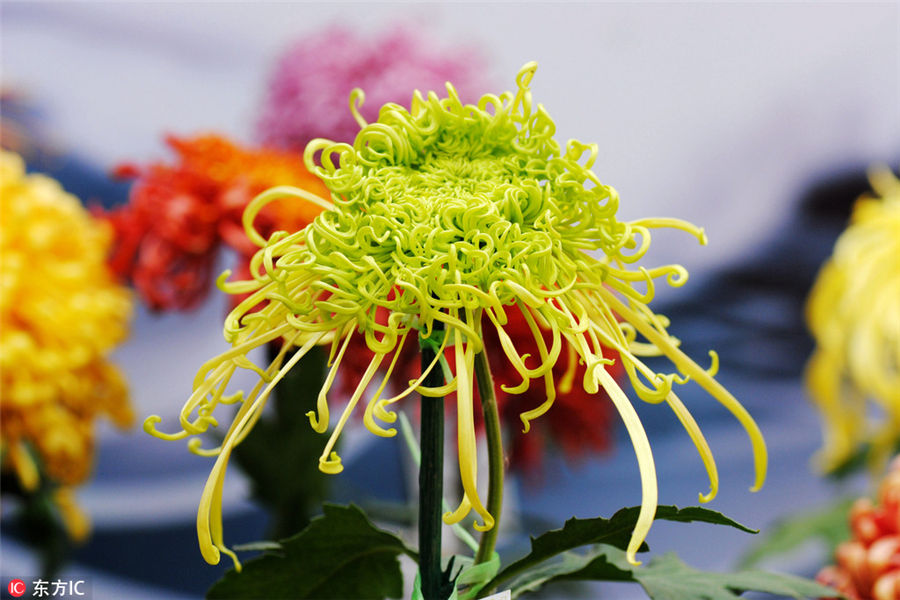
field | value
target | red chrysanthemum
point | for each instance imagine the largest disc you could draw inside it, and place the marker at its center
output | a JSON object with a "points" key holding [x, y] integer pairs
{"points": [[181, 212], [868, 566], [578, 424]]}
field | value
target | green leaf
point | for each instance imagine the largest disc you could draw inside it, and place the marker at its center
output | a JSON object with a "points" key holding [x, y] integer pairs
{"points": [[473, 578], [285, 438], [468, 580], [340, 555], [572, 566], [668, 578], [865, 457], [38, 520], [615, 531], [852, 464], [828, 524]]}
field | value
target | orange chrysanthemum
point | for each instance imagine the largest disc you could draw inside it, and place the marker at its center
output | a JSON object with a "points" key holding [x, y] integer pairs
{"points": [[181, 213]]}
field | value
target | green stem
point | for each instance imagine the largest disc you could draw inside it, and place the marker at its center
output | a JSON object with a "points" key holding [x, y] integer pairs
{"points": [[431, 482], [413, 446], [495, 455]]}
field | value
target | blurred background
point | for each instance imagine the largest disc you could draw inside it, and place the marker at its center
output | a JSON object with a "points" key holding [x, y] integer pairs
{"points": [[755, 121]]}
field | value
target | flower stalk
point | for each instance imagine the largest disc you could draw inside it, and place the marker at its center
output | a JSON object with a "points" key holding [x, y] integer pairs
{"points": [[431, 483], [495, 454]]}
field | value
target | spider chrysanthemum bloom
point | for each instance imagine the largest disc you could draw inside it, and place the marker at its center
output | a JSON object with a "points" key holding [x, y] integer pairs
{"points": [[854, 315], [61, 315], [448, 216]]}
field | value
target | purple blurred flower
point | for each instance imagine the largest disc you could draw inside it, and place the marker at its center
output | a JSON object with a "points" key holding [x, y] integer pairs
{"points": [[318, 73]]}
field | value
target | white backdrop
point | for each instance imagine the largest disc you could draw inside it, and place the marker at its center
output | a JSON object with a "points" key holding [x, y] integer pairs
{"points": [[717, 113]]}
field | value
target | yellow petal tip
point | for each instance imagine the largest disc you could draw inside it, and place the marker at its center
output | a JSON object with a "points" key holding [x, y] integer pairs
{"points": [[331, 465], [488, 524], [210, 554], [318, 426]]}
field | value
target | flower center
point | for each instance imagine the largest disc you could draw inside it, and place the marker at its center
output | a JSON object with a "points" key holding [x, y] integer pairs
{"points": [[479, 217]]}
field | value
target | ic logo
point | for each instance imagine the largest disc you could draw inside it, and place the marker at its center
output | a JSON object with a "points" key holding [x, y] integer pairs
{"points": [[16, 588]]}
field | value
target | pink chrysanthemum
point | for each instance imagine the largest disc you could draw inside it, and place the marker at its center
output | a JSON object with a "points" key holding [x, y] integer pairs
{"points": [[318, 73]]}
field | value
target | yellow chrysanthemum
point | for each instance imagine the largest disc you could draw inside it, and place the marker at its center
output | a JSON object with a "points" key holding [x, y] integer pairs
{"points": [[61, 314], [854, 315], [443, 214]]}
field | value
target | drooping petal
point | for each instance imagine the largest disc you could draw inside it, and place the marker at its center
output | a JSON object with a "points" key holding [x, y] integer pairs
{"points": [[693, 370], [646, 465], [468, 454], [330, 462]]}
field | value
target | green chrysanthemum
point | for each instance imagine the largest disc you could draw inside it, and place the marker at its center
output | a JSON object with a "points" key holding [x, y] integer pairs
{"points": [[445, 213]]}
